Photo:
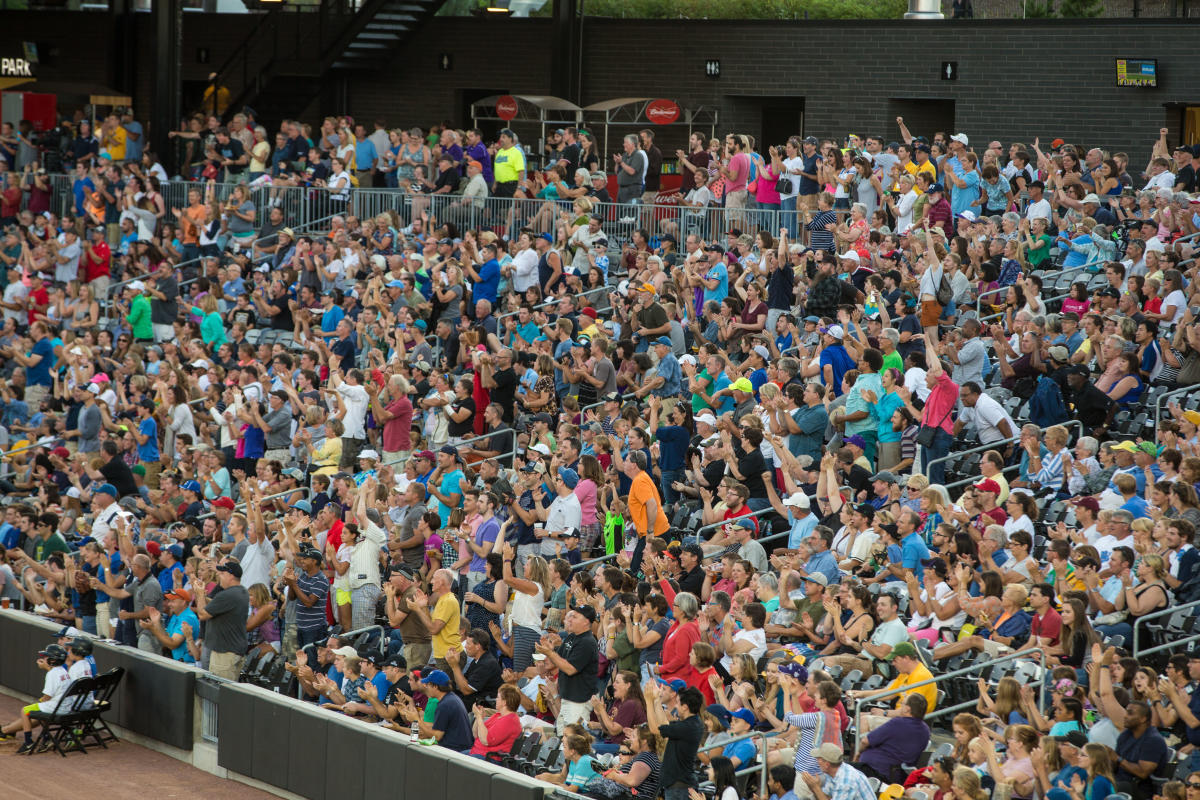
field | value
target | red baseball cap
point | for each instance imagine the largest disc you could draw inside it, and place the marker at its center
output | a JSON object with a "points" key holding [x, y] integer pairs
{"points": [[589, 312], [152, 548], [223, 502], [988, 485]]}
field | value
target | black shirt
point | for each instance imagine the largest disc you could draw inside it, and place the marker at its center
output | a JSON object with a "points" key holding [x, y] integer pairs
{"points": [[679, 759], [1091, 405], [483, 675], [582, 652], [117, 472], [692, 581], [751, 465], [232, 150], [857, 479], [346, 351], [505, 392], [781, 288], [465, 427], [283, 320]]}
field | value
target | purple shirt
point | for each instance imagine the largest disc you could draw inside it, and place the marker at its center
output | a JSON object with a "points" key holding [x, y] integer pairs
{"points": [[900, 740], [479, 152]]}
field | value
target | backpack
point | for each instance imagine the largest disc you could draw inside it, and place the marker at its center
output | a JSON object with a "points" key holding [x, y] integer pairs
{"points": [[944, 293], [1046, 406]]}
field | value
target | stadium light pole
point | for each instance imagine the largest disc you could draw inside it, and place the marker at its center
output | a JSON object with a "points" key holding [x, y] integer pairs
{"points": [[924, 9]]}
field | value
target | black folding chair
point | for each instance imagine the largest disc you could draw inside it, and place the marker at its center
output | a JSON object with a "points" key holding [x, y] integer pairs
{"points": [[63, 722], [94, 727]]}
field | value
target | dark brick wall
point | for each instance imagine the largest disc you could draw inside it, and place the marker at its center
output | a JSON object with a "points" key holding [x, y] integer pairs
{"points": [[1016, 79]]}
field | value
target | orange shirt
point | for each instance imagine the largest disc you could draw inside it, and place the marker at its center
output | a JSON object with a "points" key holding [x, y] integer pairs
{"points": [[191, 222], [641, 492]]}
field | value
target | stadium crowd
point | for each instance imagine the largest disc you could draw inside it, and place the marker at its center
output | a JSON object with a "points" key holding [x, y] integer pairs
{"points": [[632, 501]]}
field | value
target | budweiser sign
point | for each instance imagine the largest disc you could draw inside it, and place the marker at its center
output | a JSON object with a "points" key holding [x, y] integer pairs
{"points": [[662, 112], [506, 107]]}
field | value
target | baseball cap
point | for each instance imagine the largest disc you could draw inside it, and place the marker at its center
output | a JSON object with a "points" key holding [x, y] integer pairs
{"points": [[850, 255], [815, 320], [798, 500], [743, 385], [745, 522], [1126, 447], [1060, 353], [396, 660], [345, 651], [569, 476], [856, 440], [762, 352], [153, 548], [192, 486], [663, 340], [885, 476], [675, 685], [303, 505], [448, 450], [587, 611], [179, 594], [817, 578], [646, 287], [232, 567], [988, 485], [835, 331], [961, 138], [1108, 291], [176, 551], [1074, 738], [224, 502], [706, 418], [828, 752], [903, 649], [1091, 197], [1090, 503], [425, 454], [745, 715], [308, 551], [371, 454], [105, 488], [436, 678], [541, 448], [968, 215], [935, 187]]}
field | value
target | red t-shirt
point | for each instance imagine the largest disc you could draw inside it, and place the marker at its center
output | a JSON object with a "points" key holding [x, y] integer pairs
{"points": [[997, 516], [502, 731], [97, 269], [10, 202], [40, 298], [397, 431], [731, 513], [699, 680], [1048, 626]]}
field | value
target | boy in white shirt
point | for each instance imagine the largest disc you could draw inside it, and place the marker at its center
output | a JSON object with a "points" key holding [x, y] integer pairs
{"points": [[52, 660]]}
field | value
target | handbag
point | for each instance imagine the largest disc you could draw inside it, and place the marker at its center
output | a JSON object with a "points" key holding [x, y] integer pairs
{"points": [[928, 433], [783, 184]]}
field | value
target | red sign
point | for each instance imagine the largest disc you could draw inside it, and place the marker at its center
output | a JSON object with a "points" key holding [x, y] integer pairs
{"points": [[662, 112], [506, 107]]}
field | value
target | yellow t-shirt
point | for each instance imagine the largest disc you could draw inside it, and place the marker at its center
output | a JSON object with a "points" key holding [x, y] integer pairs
{"points": [[116, 144], [509, 164], [921, 673], [916, 169], [448, 638]]}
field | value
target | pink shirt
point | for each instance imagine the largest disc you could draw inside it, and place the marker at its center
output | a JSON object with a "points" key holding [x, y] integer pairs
{"points": [[1080, 307], [739, 164], [941, 402], [764, 185], [585, 490]]}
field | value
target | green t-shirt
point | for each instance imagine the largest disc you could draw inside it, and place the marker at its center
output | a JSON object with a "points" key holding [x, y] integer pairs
{"points": [[893, 359], [44, 547], [1036, 257], [698, 403], [430, 709]]}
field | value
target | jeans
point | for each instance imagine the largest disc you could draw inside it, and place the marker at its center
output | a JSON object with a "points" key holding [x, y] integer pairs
{"points": [[88, 625], [678, 791], [669, 476], [307, 636], [939, 449], [757, 503], [1117, 629], [788, 206]]}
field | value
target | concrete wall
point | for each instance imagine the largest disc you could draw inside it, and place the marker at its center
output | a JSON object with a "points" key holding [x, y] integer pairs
{"points": [[1016, 79]]}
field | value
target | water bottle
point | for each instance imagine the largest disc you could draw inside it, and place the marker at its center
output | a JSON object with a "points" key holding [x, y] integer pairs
{"points": [[414, 733]]}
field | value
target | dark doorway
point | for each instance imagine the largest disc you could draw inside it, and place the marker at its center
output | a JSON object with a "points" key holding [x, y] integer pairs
{"points": [[781, 117], [488, 128], [922, 117]]}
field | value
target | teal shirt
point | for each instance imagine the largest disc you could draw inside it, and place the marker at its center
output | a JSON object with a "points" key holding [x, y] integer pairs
{"points": [[885, 407], [855, 402], [212, 328]]}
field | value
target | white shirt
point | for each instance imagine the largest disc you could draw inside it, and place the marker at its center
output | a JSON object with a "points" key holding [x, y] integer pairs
{"points": [[565, 512], [757, 637], [790, 164], [257, 561], [525, 269], [1163, 180], [356, 401], [57, 681], [986, 417], [1039, 209], [904, 210]]}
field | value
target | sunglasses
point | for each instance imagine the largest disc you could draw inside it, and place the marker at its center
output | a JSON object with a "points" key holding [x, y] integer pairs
{"points": [[630, 752], [1193, 785]]}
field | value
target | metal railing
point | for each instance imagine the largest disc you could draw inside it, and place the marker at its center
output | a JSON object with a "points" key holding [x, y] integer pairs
{"points": [[243, 503], [1020, 655], [1164, 612], [512, 453], [1159, 401], [993, 445]]}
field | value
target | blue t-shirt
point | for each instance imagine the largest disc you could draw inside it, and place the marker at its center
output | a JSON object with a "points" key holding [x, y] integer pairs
{"points": [[722, 382], [171, 578], [745, 751], [961, 199], [912, 552], [39, 373], [330, 319], [148, 451], [721, 273], [448, 486], [175, 625], [364, 156], [673, 442], [451, 718], [486, 532], [840, 360], [381, 684], [81, 189], [488, 284]]}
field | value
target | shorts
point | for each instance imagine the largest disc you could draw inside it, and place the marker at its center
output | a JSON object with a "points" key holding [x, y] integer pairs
{"points": [[343, 597], [505, 189], [27, 710], [931, 312]]}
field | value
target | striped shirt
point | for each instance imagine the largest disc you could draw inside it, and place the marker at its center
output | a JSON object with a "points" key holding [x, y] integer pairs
{"points": [[1051, 473], [818, 237], [312, 617], [848, 784], [816, 728]]}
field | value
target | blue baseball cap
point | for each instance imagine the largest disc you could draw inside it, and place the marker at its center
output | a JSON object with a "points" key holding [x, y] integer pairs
{"points": [[439, 678], [192, 486], [663, 340], [676, 685], [547, 237], [303, 505], [745, 715], [176, 550], [105, 488], [569, 476]]}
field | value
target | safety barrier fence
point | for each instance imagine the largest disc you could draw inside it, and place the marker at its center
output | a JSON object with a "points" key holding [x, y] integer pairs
{"points": [[261, 735], [1165, 612]]}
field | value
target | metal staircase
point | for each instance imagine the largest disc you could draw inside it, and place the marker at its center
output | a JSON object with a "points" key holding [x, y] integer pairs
{"points": [[285, 60]]}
